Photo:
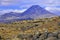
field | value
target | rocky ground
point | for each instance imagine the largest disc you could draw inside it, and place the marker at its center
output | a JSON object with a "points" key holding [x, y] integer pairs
{"points": [[39, 29]]}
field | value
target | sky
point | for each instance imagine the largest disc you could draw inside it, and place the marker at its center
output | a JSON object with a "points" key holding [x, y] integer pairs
{"points": [[22, 5]]}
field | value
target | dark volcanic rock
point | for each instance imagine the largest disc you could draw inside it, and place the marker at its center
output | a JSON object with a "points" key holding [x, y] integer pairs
{"points": [[51, 38], [50, 35], [59, 36], [43, 36]]}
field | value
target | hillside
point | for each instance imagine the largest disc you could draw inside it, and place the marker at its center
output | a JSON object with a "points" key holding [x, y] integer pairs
{"points": [[30, 29]]}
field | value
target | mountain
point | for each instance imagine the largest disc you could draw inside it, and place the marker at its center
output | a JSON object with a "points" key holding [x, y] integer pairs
{"points": [[34, 12], [10, 15]]}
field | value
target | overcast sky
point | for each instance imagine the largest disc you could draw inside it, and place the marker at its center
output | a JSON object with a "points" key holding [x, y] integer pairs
{"points": [[22, 5]]}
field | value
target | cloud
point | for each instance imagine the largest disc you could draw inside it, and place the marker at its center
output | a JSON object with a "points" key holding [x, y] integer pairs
{"points": [[53, 10], [8, 2], [11, 10], [43, 2], [30, 2]]}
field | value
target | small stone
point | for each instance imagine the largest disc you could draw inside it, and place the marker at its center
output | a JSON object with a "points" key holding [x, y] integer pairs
{"points": [[59, 36], [43, 36], [50, 35], [51, 38], [58, 39], [58, 23], [55, 34], [0, 38]]}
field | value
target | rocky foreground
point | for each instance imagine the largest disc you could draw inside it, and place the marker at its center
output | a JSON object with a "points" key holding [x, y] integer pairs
{"points": [[39, 29], [40, 36]]}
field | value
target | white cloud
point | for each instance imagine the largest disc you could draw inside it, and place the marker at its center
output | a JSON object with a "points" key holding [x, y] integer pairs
{"points": [[9, 2], [53, 10], [28, 2], [50, 3], [11, 10]]}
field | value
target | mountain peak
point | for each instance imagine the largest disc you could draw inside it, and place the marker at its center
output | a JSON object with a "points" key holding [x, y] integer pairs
{"points": [[36, 7]]}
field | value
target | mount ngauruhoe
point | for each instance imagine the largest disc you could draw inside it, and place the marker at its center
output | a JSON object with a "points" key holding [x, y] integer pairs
{"points": [[34, 12]]}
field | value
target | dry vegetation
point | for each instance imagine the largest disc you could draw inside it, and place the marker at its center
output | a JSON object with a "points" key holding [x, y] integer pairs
{"points": [[15, 30]]}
